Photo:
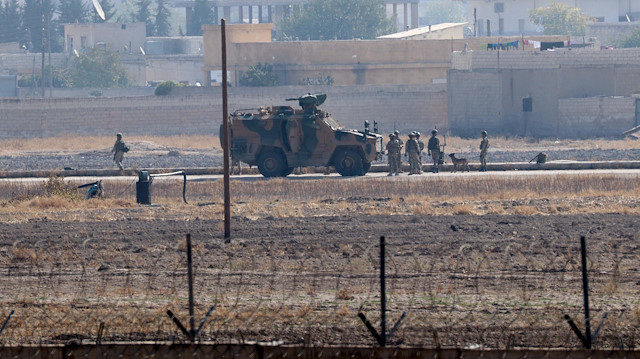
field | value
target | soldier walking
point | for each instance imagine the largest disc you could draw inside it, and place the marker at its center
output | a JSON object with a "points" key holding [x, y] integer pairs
{"points": [[118, 150], [413, 152], [484, 146], [433, 149], [393, 148]]}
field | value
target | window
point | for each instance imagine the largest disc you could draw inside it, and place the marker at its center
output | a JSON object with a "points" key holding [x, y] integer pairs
{"points": [[123, 27], [83, 42], [498, 7], [501, 26]]}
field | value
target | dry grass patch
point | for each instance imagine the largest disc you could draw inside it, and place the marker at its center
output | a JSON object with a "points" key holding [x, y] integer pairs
{"points": [[526, 210], [464, 209], [81, 143]]}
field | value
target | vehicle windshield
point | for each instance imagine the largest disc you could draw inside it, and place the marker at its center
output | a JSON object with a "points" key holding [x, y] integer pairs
{"points": [[332, 123]]}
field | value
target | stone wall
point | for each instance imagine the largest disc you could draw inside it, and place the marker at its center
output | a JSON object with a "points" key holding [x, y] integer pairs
{"points": [[545, 59], [492, 99], [196, 110], [22, 64], [596, 116]]}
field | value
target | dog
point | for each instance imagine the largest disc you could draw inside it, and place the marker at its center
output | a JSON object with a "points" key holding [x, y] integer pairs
{"points": [[462, 163]]}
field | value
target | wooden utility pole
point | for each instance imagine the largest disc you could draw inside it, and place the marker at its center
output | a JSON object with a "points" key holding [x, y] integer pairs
{"points": [[226, 137]]}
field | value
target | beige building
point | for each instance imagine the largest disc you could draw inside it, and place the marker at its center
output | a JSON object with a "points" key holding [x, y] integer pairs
{"points": [[341, 62], [127, 38]]}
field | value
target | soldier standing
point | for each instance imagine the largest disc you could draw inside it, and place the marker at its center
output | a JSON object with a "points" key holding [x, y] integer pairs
{"points": [[413, 150], [119, 149], [421, 145], [484, 146], [399, 153], [392, 148], [433, 149]]}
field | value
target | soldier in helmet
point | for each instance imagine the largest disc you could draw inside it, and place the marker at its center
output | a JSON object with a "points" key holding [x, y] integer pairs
{"points": [[433, 149], [484, 147], [393, 147], [413, 152], [399, 153]]}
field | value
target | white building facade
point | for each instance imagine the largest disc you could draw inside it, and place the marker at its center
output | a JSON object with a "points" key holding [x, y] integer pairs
{"points": [[511, 17]]}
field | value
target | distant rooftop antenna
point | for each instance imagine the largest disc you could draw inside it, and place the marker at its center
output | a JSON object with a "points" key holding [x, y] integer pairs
{"points": [[99, 11]]}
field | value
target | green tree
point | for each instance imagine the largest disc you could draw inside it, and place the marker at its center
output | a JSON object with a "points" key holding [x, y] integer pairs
{"points": [[59, 78], [633, 40], [440, 11], [98, 68], [202, 14], [72, 11], [10, 21], [337, 19], [163, 18], [560, 19], [33, 13], [144, 15], [259, 75]]}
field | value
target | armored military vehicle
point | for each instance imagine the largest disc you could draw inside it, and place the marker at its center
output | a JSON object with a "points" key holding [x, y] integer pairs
{"points": [[279, 138]]}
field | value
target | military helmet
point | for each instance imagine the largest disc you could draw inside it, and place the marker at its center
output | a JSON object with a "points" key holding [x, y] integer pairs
{"points": [[391, 135], [396, 132], [484, 132], [418, 133], [118, 134], [412, 134], [434, 132]]}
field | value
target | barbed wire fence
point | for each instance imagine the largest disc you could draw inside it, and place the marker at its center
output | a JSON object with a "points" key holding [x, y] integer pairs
{"points": [[486, 295]]}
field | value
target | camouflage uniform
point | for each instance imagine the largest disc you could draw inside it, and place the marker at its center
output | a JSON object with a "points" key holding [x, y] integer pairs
{"points": [[235, 166], [484, 146], [433, 148], [118, 151], [399, 153], [393, 148], [413, 152], [421, 145]]}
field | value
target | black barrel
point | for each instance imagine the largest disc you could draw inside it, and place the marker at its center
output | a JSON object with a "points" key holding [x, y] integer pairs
{"points": [[143, 192]]}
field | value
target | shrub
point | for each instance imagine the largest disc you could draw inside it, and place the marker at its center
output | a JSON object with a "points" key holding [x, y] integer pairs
{"points": [[164, 88], [259, 75]]}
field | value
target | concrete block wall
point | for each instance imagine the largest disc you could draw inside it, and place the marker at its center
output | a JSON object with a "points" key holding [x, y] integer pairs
{"points": [[552, 59], [595, 116], [24, 63], [474, 103], [199, 110]]}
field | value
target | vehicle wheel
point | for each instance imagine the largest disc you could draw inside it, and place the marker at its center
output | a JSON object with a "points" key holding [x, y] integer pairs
{"points": [[349, 163], [272, 164], [366, 167]]}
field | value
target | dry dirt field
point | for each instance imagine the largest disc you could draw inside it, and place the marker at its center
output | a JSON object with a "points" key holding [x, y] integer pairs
{"points": [[490, 262]]}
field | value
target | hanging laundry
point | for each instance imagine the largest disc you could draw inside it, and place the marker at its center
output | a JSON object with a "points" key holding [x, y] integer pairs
{"points": [[551, 45]]}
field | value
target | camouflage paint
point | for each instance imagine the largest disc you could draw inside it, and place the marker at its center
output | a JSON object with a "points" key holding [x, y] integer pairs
{"points": [[315, 136]]}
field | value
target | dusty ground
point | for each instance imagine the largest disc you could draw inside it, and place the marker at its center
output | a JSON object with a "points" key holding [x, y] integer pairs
{"points": [[147, 154], [470, 280], [493, 281]]}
